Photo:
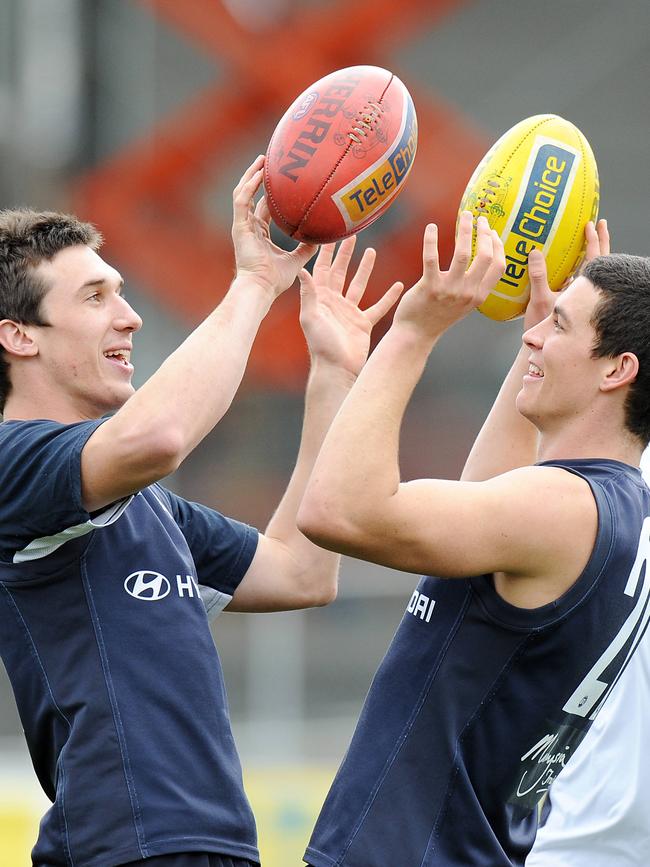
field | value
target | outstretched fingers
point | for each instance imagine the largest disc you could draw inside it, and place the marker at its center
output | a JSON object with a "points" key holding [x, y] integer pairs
{"points": [[484, 258], [323, 264], [341, 262], [262, 211], [495, 270], [359, 282], [597, 238], [463, 248], [602, 231], [430, 258], [380, 308], [244, 193]]}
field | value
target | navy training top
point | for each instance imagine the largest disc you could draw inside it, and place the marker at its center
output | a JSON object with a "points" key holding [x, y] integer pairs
{"points": [[104, 635], [478, 705]]}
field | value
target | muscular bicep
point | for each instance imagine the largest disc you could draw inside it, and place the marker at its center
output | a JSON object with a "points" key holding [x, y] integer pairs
{"points": [[119, 460], [523, 523]]}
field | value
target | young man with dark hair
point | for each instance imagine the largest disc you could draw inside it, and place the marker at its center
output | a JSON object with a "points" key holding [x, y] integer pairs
{"points": [[26, 239], [599, 803], [501, 663], [106, 577]]}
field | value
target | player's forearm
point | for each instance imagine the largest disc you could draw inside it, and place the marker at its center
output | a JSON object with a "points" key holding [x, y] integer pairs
{"points": [[326, 390], [195, 386], [357, 469], [507, 440]]}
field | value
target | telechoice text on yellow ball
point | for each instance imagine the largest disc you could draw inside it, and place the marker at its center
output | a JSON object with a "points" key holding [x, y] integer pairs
{"points": [[546, 187]]}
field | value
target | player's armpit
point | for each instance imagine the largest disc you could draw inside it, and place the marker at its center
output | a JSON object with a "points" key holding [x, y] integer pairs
{"points": [[531, 522]]}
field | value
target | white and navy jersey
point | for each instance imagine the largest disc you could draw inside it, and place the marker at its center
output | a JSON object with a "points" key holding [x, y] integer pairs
{"points": [[478, 705], [105, 638], [600, 803]]}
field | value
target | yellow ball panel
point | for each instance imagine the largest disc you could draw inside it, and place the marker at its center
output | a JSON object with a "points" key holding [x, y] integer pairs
{"points": [[538, 187]]}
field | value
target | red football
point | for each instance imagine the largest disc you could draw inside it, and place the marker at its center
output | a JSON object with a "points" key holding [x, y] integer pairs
{"points": [[340, 154]]}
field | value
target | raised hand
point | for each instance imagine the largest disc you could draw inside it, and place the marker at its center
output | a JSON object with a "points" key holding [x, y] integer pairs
{"points": [[598, 243], [336, 328], [256, 256], [541, 297], [441, 298]]}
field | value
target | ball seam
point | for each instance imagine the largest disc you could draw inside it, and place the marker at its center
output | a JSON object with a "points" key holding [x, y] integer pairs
{"points": [[269, 193], [320, 192]]}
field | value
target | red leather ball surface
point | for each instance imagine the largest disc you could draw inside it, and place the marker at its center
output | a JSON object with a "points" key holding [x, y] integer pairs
{"points": [[341, 154]]}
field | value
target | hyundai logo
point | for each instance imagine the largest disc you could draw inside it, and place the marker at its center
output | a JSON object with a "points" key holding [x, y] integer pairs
{"points": [[147, 585]]}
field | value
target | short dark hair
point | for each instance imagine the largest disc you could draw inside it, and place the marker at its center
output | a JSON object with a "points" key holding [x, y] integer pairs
{"points": [[27, 238], [622, 324]]}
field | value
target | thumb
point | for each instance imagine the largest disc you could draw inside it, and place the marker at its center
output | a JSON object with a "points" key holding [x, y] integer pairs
{"points": [[538, 275], [541, 297], [307, 291], [308, 299], [303, 253]]}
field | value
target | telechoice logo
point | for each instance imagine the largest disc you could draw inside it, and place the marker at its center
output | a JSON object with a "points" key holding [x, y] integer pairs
{"points": [[546, 186], [361, 198], [539, 214]]}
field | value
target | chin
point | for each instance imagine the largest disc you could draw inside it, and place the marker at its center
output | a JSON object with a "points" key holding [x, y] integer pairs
{"points": [[112, 402], [520, 404], [523, 408]]}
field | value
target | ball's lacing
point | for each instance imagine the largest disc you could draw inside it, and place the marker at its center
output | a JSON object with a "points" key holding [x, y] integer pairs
{"points": [[365, 120], [485, 199]]}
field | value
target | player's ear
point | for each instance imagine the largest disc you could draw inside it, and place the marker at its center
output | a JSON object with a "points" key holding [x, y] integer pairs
{"points": [[623, 370], [17, 338]]}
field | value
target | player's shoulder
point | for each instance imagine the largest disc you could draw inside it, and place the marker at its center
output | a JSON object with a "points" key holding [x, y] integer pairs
{"points": [[573, 473], [570, 500], [554, 503], [606, 479], [540, 481], [15, 429], [20, 438], [25, 432], [41, 454]]}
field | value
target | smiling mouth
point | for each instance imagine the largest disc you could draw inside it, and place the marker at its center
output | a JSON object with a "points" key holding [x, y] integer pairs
{"points": [[534, 370], [119, 356]]}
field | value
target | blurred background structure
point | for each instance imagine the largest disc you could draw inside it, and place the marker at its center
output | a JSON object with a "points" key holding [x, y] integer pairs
{"points": [[140, 115]]}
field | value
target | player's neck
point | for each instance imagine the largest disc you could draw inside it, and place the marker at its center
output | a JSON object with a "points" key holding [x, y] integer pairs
{"points": [[616, 445], [20, 407]]}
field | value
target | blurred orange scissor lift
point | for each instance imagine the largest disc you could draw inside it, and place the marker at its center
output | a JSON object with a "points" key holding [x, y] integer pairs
{"points": [[147, 199]]}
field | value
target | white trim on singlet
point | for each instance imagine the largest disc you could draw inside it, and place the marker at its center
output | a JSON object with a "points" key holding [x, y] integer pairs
{"points": [[46, 545]]}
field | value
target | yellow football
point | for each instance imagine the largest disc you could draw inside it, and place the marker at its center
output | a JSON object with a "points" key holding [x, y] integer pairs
{"points": [[538, 187]]}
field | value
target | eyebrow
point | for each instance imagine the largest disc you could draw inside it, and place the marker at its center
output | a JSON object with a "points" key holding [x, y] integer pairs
{"points": [[100, 281], [557, 309]]}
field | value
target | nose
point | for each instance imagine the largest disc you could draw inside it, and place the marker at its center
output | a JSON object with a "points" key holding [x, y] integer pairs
{"points": [[533, 338], [127, 318]]}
